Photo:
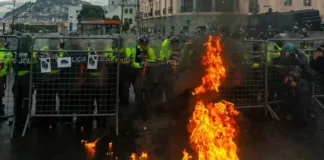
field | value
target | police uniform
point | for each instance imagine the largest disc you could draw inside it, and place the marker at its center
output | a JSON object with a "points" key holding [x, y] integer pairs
{"points": [[125, 74], [22, 83], [5, 60], [145, 75], [173, 57]]}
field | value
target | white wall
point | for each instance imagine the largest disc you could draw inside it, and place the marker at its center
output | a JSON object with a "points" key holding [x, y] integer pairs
{"points": [[129, 12], [73, 13]]}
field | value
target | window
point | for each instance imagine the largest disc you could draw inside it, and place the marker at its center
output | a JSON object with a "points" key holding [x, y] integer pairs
{"points": [[131, 11], [71, 16], [130, 21], [77, 11], [287, 2], [307, 3], [126, 10], [125, 20], [106, 12]]}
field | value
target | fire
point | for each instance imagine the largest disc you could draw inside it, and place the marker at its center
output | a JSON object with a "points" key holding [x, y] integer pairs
{"points": [[215, 69], [143, 156], [212, 126], [90, 147], [186, 155]]}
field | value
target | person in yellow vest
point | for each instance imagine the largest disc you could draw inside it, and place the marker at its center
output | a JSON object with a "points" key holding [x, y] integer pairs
{"points": [[125, 71], [172, 57], [143, 59], [5, 59], [47, 82]]}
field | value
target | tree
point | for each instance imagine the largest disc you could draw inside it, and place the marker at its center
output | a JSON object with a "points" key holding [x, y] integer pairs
{"points": [[91, 12], [126, 26], [115, 17]]}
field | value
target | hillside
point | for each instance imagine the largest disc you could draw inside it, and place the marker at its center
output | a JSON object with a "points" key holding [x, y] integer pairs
{"points": [[43, 10]]}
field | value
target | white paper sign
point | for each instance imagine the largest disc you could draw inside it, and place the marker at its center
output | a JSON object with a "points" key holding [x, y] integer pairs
{"points": [[92, 62], [45, 64], [64, 62]]}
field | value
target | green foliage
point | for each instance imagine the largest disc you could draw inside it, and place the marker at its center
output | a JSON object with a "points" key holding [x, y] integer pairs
{"points": [[91, 12], [126, 26]]}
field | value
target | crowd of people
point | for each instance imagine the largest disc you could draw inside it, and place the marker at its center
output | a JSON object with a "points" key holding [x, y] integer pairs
{"points": [[151, 74]]}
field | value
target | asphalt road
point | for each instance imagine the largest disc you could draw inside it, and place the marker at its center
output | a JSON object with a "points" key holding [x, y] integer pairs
{"points": [[257, 140], [263, 140]]}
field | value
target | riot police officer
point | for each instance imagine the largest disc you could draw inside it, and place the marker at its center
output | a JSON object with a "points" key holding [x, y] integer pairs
{"points": [[143, 57], [5, 59], [22, 83]]}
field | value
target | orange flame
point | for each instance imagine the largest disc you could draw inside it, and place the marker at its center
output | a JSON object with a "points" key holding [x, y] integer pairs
{"points": [[215, 69], [212, 126], [90, 147], [143, 156], [186, 155]]}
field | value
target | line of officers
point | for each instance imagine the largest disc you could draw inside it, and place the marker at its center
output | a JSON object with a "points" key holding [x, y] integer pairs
{"points": [[151, 74]]}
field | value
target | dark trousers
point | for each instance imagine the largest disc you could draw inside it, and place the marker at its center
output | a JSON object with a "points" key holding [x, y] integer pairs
{"points": [[125, 81], [46, 97], [21, 98]]}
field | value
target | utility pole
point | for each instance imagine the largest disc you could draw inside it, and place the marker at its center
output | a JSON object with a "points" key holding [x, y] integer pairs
{"points": [[138, 18], [122, 17], [13, 16]]}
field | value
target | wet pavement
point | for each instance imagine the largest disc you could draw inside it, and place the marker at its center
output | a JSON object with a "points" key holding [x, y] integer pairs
{"points": [[165, 138]]}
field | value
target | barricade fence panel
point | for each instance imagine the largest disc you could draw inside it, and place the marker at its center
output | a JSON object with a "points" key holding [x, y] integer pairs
{"points": [[8, 51], [245, 81], [74, 76]]}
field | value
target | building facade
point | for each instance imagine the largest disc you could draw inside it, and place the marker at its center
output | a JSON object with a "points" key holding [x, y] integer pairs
{"points": [[111, 10], [182, 15], [72, 17], [129, 13]]}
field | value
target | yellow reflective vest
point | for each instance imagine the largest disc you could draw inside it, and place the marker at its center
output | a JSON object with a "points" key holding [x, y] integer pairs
{"points": [[5, 59], [138, 51], [165, 47]]}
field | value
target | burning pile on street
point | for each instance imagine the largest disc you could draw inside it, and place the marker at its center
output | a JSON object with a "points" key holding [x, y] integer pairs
{"points": [[212, 126]]}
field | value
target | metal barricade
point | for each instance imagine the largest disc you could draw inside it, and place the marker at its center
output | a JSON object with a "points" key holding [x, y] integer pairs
{"points": [[245, 83], [8, 51], [79, 81]]}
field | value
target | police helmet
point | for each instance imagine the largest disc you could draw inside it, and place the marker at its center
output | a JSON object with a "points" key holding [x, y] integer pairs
{"points": [[143, 40], [289, 47], [174, 40]]}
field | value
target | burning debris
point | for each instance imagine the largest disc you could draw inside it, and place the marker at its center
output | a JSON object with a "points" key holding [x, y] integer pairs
{"points": [[212, 126], [90, 147]]}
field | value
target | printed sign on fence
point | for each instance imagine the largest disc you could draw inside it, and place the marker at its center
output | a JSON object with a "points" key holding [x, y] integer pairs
{"points": [[64, 62], [45, 64], [92, 62]]}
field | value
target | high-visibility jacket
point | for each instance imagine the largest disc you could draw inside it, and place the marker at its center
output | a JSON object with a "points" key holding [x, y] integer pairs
{"points": [[148, 56], [165, 47], [5, 59], [125, 55]]}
